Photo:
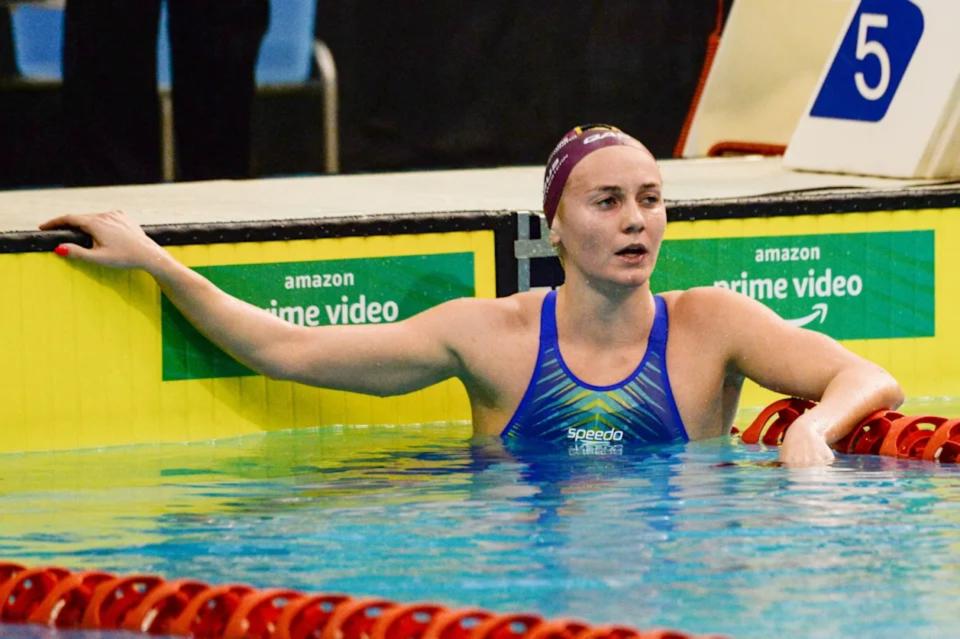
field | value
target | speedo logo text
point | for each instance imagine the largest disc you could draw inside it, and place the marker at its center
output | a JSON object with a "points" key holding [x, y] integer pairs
{"points": [[593, 435]]}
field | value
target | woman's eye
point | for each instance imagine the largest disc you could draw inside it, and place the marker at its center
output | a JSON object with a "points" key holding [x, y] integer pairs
{"points": [[606, 202], [651, 199]]}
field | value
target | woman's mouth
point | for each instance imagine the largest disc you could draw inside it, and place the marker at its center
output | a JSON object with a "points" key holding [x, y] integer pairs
{"points": [[633, 252]]}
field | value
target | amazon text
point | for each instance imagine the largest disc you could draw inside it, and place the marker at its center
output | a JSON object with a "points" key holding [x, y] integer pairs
{"points": [[787, 254]]}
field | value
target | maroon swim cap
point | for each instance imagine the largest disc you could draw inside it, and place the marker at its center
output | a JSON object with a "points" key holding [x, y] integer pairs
{"points": [[578, 143]]}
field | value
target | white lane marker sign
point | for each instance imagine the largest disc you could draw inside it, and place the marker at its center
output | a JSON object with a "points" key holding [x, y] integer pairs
{"points": [[889, 100]]}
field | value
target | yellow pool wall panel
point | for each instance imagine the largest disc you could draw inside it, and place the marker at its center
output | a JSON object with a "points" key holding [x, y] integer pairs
{"points": [[83, 359], [926, 367]]}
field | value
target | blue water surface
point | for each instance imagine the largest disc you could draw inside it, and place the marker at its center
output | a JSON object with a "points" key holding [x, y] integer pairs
{"points": [[709, 537]]}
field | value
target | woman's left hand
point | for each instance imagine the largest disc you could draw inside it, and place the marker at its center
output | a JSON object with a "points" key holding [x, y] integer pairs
{"points": [[805, 445]]}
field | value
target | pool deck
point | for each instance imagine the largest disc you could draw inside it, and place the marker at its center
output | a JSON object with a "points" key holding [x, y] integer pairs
{"points": [[338, 196]]}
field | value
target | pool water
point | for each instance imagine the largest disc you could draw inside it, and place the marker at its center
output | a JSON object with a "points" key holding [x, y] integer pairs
{"points": [[710, 537]]}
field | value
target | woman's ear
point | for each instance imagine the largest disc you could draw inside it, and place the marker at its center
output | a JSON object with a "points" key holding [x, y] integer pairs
{"points": [[554, 235]]}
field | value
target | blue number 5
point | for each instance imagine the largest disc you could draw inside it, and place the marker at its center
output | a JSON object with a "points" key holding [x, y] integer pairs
{"points": [[871, 61]]}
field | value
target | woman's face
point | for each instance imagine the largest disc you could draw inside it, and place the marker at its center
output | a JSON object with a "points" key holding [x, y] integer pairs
{"points": [[611, 217]]}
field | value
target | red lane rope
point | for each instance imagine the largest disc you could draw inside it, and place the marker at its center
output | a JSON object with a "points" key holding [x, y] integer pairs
{"points": [[884, 432], [56, 597]]}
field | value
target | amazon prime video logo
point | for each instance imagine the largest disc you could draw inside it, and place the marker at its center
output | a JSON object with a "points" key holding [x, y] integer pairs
{"points": [[847, 285]]}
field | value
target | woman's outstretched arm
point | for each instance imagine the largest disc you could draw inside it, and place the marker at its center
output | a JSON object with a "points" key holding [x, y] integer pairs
{"points": [[381, 359]]}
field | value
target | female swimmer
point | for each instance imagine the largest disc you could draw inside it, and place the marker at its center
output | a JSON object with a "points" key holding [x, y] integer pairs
{"points": [[601, 362]]}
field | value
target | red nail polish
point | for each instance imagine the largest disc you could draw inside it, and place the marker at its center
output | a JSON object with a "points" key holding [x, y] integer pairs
{"points": [[61, 250]]}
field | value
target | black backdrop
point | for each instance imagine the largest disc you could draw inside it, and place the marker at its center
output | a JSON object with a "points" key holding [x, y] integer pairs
{"points": [[440, 84], [479, 83]]}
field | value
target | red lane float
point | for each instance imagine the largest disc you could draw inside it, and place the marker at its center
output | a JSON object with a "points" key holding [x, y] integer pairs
{"points": [[610, 632], [354, 618], [908, 436], [456, 624], [113, 599], [208, 614], [23, 591], [558, 629], [773, 421], [867, 437], [884, 432], [162, 606], [944, 445], [402, 622], [257, 613], [515, 626], [66, 604], [305, 618], [56, 597]]}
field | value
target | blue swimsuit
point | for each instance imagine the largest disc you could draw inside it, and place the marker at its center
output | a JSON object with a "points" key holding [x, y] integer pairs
{"points": [[560, 408]]}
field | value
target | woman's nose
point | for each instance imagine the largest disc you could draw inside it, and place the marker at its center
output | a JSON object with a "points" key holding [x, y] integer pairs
{"points": [[632, 219]]}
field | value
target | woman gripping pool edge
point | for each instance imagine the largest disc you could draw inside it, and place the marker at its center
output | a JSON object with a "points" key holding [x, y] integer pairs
{"points": [[598, 364]]}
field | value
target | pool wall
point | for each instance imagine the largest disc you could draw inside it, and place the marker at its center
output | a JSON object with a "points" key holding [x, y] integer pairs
{"points": [[878, 271], [97, 357]]}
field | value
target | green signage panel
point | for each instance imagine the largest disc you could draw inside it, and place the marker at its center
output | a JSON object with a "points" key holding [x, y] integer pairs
{"points": [[316, 293], [847, 285]]}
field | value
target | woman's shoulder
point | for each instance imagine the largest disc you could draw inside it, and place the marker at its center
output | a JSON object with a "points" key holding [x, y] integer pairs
{"points": [[706, 305], [516, 311]]}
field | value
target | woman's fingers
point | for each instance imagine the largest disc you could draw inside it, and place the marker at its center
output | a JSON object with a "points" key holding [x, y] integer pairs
{"points": [[55, 223], [807, 455], [81, 222], [117, 240], [803, 445], [77, 252]]}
